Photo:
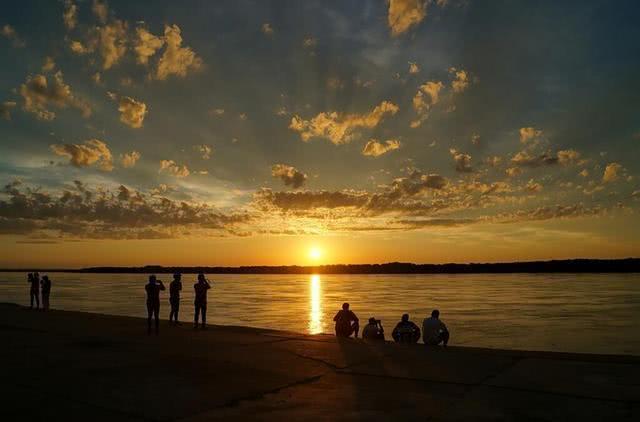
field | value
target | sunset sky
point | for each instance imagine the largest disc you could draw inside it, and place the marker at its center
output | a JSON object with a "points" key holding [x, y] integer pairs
{"points": [[302, 132]]}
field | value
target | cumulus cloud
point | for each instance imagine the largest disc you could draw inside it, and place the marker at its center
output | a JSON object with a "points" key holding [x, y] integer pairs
{"points": [[267, 29], [146, 45], [132, 112], [529, 133], [100, 10], [612, 172], [289, 175], [533, 186], [109, 41], [513, 171], [584, 173], [526, 159], [373, 148], [404, 14], [171, 167], [49, 64], [130, 159], [462, 161], [39, 94], [5, 109], [10, 33], [568, 157], [205, 151], [493, 161], [461, 80], [176, 60], [476, 139], [340, 128], [70, 15], [413, 68], [427, 96], [92, 151], [123, 213]]}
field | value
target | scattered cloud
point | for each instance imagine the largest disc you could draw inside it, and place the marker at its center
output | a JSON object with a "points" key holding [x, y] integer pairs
{"points": [[529, 133], [10, 33], [146, 45], [109, 41], [130, 159], [48, 65], [413, 68], [584, 173], [5, 109], [176, 60], [373, 148], [216, 112], [404, 14], [205, 150], [267, 29], [171, 167], [493, 161], [289, 175], [513, 171], [427, 96], [92, 151], [100, 10], [462, 161], [533, 186], [525, 159], [340, 128], [132, 112], [568, 157], [70, 15], [309, 42], [40, 93], [460, 81], [476, 139], [612, 172]]}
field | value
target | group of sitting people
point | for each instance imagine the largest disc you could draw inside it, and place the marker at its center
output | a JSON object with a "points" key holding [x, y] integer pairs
{"points": [[434, 331]]}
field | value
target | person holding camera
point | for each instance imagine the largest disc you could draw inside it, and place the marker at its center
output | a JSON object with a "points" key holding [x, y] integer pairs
{"points": [[373, 331], [153, 289], [201, 288]]}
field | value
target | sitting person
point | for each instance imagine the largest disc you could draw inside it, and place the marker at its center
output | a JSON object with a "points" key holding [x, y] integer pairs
{"points": [[434, 331], [346, 322], [406, 331], [373, 330]]}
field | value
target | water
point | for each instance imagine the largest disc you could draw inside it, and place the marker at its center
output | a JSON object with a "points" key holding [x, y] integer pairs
{"points": [[591, 313]]}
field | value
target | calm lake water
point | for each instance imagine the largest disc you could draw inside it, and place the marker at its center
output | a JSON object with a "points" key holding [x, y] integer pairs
{"points": [[592, 313]]}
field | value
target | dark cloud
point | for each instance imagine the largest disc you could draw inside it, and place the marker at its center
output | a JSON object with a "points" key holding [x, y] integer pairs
{"points": [[289, 175]]}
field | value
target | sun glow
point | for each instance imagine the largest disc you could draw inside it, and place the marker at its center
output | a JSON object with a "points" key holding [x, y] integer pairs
{"points": [[315, 253], [315, 296]]}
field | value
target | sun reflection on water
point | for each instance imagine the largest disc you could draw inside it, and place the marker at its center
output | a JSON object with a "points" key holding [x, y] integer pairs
{"points": [[315, 295]]}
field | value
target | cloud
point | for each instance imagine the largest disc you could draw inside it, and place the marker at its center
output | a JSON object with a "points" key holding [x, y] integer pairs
{"points": [[176, 60], [49, 64], [123, 213], [461, 80], [340, 128], [373, 148], [205, 150], [70, 15], [5, 109], [584, 173], [462, 161], [529, 133], [146, 45], [476, 139], [404, 14], [611, 172], [109, 41], [493, 161], [10, 33], [39, 94], [92, 151], [513, 171], [170, 166], [413, 68], [132, 112], [291, 176], [568, 157], [525, 159], [427, 96], [267, 29], [100, 10], [309, 42], [130, 159], [216, 112], [533, 186]]}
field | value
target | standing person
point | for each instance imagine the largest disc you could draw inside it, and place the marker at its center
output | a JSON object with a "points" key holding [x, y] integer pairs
{"points": [[346, 322], [434, 331], [153, 289], [46, 290], [34, 281], [406, 331], [201, 288], [174, 297]]}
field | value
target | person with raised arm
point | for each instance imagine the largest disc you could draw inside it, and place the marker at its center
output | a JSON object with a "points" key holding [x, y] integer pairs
{"points": [[153, 289], [200, 303]]}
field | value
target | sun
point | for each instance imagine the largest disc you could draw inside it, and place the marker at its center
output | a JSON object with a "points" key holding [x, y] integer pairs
{"points": [[315, 253]]}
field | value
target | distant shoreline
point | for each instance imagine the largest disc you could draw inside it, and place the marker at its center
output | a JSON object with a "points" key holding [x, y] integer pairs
{"points": [[627, 265]]}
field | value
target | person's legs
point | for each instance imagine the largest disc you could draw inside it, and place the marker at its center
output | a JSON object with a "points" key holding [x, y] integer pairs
{"points": [[149, 315], [37, 300], [32, 297], [45, 302], [156, 311], [196, 315], [356, 328], [204, 315], [444, 337]]}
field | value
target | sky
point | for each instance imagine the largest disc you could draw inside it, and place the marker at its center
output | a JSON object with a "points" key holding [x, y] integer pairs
{"points": [[315, 132]]}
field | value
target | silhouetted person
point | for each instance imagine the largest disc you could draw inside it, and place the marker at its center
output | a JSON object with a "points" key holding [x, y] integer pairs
{"points": [[346, 322], [153, 289], [434, 331], [406, 331], [373, 331], [34, 293], [174, 297], [201, 288], [46, 290]]}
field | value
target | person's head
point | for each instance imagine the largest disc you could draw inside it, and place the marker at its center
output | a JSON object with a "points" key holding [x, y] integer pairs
{"points": [[405, 317], [372, 321], [345, 306], [201, 278], [152, 279], [45, 277], [30, 276], [435, 313], [177, 276]]}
